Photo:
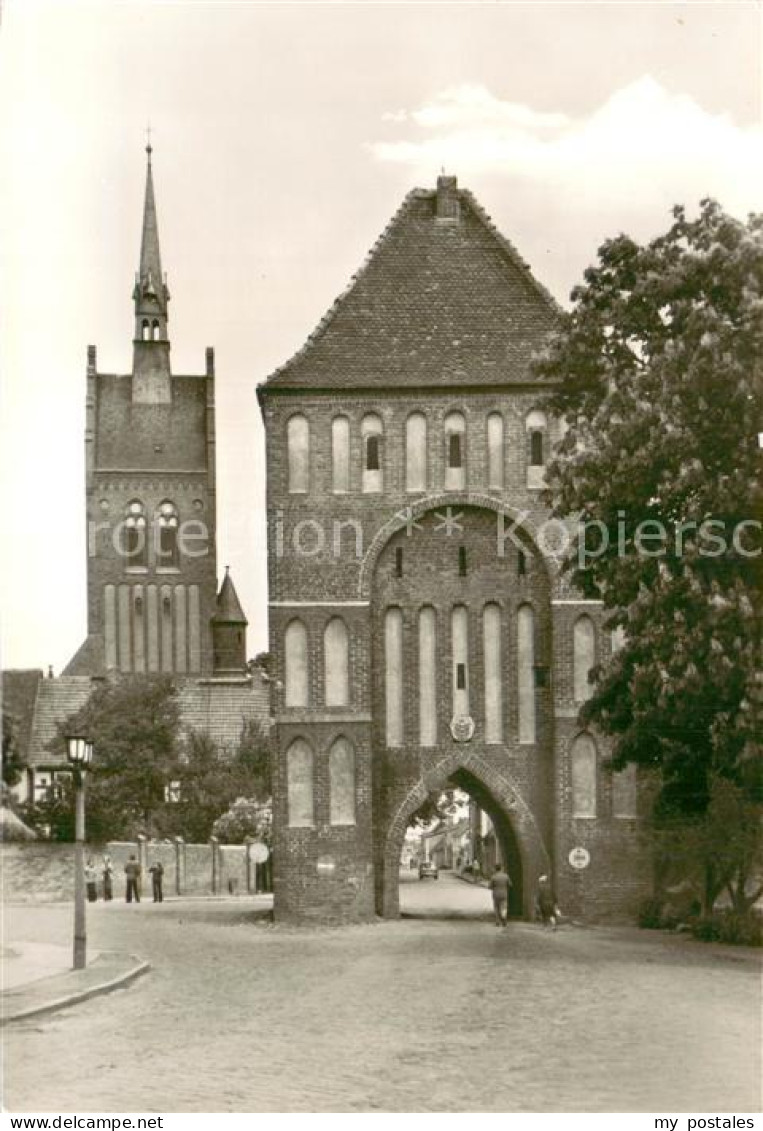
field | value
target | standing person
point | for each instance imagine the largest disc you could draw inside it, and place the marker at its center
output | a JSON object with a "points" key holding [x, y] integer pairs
{"points": [[157, 872], [132, 872], [107, 873], [545, 902], [91, 880], [499, 886]]}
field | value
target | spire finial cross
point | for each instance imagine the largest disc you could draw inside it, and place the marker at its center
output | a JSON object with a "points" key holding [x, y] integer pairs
{"points": [[149, 148]]}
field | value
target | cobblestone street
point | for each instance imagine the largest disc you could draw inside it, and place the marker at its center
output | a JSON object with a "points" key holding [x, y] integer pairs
{"points": [[423, 1014]]}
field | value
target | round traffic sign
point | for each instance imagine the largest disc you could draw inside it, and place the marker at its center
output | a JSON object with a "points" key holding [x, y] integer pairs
{"points": [[579, 858], [259, 852]]}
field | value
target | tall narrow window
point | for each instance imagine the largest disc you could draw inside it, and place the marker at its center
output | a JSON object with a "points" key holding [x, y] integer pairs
{"points": [[427, 677], [336, 651], [459, 631], [536, 427], [393, 655], [583, 773], [135, 537], [296, 665], [155, 334], [624, 792], [340, 454], [462, 561], [495, 452], [341, 783], [167, 523], [398, 561], [145, 330], [526, 672], [521, 564], [584, 657], [372, 435], [298, 451], [455, 451], [416, 452], [299, 783], [491, 630]]}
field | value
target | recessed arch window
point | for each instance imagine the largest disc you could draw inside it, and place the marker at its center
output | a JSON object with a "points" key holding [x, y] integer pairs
{"points": [[393, 675], [625, 792], [336, 655], [416, 452], [145, 330], [526, 672], [459, 637], [167, 525], [342, 782], [454, 428], [427, 676], [536, 426], [340, 454], [583, 774], [296, 682], [298, 453], [491, 633], [495, 452], [299, 783], [135, 538], [583, 657], [155, 331], [372, 437]]}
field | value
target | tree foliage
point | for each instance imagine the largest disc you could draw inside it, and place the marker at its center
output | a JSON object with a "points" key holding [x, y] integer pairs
{"points": [[149, 775], [657, 374], [247, 818]]}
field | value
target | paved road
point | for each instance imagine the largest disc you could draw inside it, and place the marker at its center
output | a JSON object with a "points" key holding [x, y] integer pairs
{"points": [[414, 1016]]}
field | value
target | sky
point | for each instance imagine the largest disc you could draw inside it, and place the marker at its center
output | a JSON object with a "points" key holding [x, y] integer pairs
{"points": [[285, 136]]}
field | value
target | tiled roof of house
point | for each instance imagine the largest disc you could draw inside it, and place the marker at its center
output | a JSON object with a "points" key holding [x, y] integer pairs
{"points": [[221, 707], [56, 700], [89, 658], [439, 302], [18, 688]]}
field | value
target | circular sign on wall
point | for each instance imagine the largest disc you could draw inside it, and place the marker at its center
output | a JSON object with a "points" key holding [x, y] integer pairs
{"points": [[462, 728], [259, 852], [579, 858]]}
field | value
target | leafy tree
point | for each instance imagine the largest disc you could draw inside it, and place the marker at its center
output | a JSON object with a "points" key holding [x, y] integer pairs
{"points": [[134, 723], [12, 764], [246, 818], [657, 371], [207, 779]]}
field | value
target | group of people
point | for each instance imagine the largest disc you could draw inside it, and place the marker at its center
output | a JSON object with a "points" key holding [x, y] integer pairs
{"points": [[132, 880], [545, 901]]}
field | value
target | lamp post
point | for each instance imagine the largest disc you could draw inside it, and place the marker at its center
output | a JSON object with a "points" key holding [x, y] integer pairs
{"points": [[79, 751]]}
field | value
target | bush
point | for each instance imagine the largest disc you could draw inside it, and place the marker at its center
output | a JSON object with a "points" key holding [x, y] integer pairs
{"points": [[730, 927], [650, 914]]}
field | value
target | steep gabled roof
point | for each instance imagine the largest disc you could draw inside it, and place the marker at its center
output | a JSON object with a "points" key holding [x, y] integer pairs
{"points": [[440, 301], [56, 700], [18, 689]]}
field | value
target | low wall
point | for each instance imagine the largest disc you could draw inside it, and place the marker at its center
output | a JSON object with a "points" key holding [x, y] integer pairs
{"points": [[44, 871]]}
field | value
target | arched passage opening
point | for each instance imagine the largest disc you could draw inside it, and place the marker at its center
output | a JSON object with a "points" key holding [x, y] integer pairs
{"points": [[518, 844]]}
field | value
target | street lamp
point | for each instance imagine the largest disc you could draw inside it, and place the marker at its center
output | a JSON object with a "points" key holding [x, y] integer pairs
{"points": [[79, 751]]}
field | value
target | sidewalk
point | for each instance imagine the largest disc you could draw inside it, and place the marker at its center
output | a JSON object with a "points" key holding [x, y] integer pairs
{"points": [[38, 978]]}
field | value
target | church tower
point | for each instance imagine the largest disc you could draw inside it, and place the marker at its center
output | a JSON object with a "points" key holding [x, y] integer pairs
{"points": [[150, 487]]}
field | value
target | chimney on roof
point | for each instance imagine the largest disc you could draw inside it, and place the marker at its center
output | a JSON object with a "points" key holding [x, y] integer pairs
{"points": [[447, 198]]}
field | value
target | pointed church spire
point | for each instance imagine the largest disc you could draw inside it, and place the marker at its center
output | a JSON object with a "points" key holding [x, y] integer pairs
{"points": [[151, 294], [151, 359], [229, 631], [229, 609]]}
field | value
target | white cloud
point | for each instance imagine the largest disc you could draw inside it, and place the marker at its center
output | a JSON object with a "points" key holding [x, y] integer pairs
{"points": [[644, 141]]}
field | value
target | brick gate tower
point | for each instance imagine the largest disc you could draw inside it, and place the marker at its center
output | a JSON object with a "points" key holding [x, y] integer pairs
{"points": [[151, 510], [421, 633]]}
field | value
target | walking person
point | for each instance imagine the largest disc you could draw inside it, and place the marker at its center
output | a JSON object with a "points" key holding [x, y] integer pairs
{"points": [[545, 902], [107, 872], [157, 872], [132, 874], [499, 887], [91, 880]]}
